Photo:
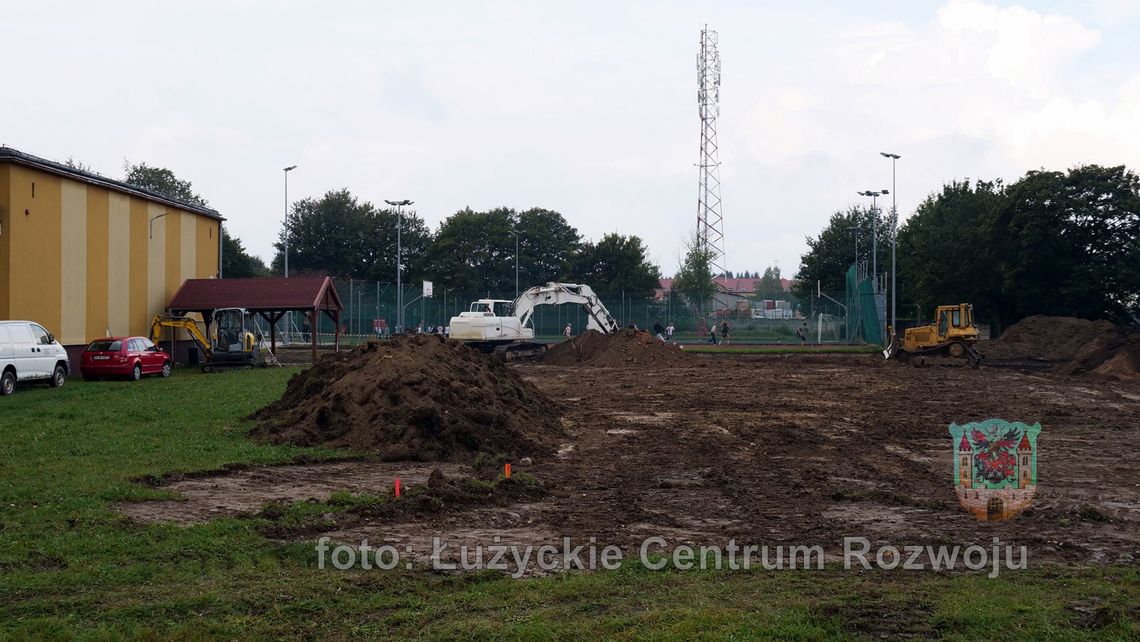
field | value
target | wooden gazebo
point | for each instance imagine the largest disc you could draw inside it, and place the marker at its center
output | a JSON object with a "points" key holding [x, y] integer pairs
{"points": [[269, 297]]}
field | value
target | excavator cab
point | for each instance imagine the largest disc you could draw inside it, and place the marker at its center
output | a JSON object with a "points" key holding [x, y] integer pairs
{"points": [[233, 341]]}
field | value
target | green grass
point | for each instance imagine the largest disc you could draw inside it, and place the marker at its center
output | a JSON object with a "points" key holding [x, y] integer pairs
{"points": [[785, 349], [73, 568]]}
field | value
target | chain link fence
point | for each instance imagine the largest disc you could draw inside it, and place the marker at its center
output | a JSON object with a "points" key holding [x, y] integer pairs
{"points": [[370, 311]]}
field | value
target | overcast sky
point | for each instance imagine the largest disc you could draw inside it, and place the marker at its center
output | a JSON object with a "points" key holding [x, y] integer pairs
{"points": [[588, 108]]}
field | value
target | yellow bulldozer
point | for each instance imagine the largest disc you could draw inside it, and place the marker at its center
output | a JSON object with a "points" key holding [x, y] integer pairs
{"points": [[953, 334]]}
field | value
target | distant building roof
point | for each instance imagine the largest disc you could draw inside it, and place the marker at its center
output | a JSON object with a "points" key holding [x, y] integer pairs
{"points": [[257, 294], [16, 156], [745, 287]]}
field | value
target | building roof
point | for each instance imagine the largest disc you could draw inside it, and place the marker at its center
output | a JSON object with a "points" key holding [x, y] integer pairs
{"points": [[257, 294], [745, 287], [7, 154], [1024, 445], [964, 444]]}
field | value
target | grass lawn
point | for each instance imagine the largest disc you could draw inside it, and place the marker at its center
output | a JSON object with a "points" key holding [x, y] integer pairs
{"points": [[72, 568]]}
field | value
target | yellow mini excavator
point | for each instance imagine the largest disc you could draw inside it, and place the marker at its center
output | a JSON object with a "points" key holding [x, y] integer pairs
{"points": [[232, 344], [952, 335]]}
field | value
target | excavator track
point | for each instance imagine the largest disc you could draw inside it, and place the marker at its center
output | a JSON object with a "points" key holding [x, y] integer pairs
{"points": [[520, 351]]}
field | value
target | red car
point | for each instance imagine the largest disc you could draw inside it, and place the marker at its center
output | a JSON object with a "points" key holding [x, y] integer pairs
{"points": [[124, 357]]}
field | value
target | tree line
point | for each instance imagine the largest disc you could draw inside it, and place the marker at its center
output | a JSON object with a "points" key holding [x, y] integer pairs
{"points": [[471, 251], [1053, 243], [339, 235]]}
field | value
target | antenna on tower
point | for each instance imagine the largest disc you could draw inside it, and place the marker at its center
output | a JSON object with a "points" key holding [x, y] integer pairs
{"points": [[710, 220]]}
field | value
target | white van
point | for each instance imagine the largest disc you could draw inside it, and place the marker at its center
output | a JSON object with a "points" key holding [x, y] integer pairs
{"points": [[28, 352]]}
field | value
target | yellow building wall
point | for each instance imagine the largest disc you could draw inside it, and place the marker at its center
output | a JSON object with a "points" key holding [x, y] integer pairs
{"points": [[207, 246], [5, 234], [86, 261], [98, 261], [34, 265], [119, 265], [73, 263]]}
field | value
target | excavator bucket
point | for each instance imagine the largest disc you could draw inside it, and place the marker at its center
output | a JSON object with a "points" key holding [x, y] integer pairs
{"points": [[892, 347]]}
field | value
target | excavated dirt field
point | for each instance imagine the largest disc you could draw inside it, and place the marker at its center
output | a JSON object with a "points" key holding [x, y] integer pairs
{"points": [[798, 450]]}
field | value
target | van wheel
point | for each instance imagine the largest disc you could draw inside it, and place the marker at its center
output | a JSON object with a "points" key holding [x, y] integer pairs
{"points": [[165, 369], [136, 373], [59, 376], [7, 382]]}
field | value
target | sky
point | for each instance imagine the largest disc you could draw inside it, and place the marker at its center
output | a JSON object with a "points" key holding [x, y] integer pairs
{"points": [[588, 108]]}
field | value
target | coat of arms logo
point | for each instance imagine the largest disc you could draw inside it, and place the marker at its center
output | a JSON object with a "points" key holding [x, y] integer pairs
{"points": [[995, 466]]}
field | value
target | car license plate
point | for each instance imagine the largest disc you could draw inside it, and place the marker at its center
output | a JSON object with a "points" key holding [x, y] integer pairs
{"points": [[100, 357]]}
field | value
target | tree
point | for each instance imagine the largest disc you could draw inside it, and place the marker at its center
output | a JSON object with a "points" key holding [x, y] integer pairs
{"points": [[616, 263], [547, 244], [694, 279], [770, 286], [162, 181], [475, 251], [338, 235], [945, 250], [76, 164], [1067, 244], [236, 262], [831, 253]]}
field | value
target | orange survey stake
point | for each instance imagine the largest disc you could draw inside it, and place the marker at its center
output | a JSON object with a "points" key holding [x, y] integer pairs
{"points": [[507, 471]]}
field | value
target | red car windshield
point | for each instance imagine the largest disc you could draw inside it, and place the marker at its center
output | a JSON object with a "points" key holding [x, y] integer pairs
{"points": [[105, 346]]}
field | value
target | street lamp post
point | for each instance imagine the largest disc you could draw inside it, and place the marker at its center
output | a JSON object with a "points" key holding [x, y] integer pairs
{"points": [[287, 170], [399, 263], [288, 315], [874, 233], [516, 233], [894, 237]]}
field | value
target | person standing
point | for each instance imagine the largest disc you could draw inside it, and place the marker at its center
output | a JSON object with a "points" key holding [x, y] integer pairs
{"points": [[802, 333], [566, 332], [669, 332], [712, 334], [659, 331], [724, 332]]}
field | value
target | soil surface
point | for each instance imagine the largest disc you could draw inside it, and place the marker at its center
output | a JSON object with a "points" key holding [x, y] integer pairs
{"points": [[622, 348], [1070, 346], [792, 450], [417, 397]]}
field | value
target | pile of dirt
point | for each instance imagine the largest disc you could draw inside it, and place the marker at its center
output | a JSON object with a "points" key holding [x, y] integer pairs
{"points": [[1071, 346], [413, 398], [623, 348]]}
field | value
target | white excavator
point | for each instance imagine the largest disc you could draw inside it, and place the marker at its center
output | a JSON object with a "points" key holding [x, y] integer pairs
{"points": [[504, 327]]}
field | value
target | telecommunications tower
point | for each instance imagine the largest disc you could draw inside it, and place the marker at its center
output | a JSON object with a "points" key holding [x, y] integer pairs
{"points": [[710, 221]]}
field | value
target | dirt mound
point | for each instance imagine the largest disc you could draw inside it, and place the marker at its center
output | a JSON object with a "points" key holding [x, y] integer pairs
{"points": [[413, 398], [1071, 345], [622, 348]]}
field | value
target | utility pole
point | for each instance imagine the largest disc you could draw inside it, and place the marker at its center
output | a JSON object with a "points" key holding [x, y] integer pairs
{"points": [[288, 315], [516, 233], [287, 170], [399, 263], [894, 238], [874, 233]]}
